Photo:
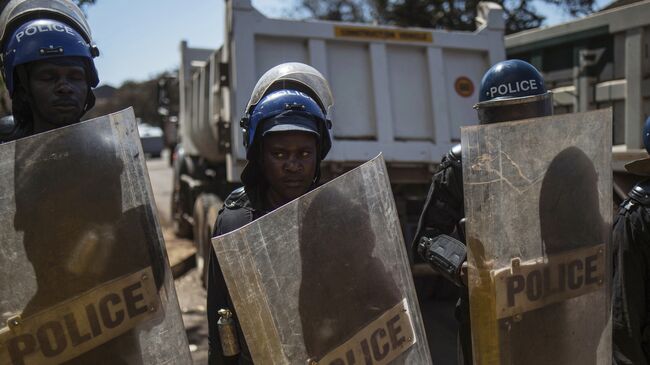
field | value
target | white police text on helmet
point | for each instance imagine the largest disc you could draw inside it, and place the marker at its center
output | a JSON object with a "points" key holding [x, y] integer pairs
{"points": [[42, 28], [512, 88]]}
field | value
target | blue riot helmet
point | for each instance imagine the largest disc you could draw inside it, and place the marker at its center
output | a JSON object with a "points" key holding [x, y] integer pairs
{"points": [[288, 110], [17, 12], [39, 40], [42, 30], [291, 96], [513, 90], [294, 95], [45, 39], [296, 76]]}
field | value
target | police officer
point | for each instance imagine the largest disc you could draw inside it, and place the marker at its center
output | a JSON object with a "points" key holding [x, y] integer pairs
{"points": [[631, 240], [510, 90], [286, 135], [47, 65]]}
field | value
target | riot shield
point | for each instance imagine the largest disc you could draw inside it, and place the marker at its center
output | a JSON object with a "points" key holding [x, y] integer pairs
{"points": [[325, 279], [538, 206], [84, 276]]}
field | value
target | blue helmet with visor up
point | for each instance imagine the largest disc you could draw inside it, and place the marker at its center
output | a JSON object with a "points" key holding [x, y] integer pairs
{"points": [[46, 39], [283, 111]]}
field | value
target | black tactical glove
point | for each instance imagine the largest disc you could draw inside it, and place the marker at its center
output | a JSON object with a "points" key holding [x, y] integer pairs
{"points": [[445, 254]]}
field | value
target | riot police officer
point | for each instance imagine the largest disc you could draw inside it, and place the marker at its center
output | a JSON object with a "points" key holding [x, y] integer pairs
{"points": [[631, 240], [47, 65], [510, 90], [286, 135], [83, 217]]}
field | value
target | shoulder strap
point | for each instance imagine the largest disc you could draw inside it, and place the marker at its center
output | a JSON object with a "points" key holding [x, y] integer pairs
{"points": [[641, 193], [238, 199]]}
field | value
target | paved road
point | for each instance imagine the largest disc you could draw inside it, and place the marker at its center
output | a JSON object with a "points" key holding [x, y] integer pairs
{"points": [[160, 174], [436, 297], [191, 295]]}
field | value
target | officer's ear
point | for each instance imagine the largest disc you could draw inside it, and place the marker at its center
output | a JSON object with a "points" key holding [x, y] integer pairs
{"points": [[22, 95], [21, 107], [259, 151]]}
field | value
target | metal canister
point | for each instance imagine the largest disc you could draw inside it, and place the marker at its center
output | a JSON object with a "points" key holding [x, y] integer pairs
{"points": [[227, 333]]}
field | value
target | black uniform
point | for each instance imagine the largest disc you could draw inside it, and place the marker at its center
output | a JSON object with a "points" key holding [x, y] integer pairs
{"points": [[631, 302], [238, 210], [441, 216]]}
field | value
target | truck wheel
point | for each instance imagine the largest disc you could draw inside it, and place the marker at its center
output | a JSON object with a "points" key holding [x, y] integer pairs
{"points": [[182, 228], [210, 226], [180, 199], [203, 224]]}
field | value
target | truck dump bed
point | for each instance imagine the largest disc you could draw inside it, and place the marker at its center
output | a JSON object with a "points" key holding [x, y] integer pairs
{"points": [[404, 92]]}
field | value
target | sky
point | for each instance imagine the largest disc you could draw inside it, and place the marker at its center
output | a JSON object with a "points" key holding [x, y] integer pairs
{"points": [[139, 39]]}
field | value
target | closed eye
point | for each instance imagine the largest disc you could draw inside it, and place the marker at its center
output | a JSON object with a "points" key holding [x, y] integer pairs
{"points": [[45, 77], [77, 76]]}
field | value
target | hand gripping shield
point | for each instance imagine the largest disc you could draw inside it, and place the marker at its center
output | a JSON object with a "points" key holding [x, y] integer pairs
{"points": [[538, 208], [325, 279], [84, 278]]}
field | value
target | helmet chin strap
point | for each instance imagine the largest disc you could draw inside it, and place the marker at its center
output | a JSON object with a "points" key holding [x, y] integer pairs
{"points": [[90, 101], [316, 179]]}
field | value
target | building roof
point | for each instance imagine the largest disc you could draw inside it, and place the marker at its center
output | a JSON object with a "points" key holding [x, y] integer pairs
{"points": [[616, 19]]}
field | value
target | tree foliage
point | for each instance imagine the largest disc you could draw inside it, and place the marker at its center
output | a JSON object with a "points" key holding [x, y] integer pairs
{"points": [[142, 96], [341, 10], [440, 14], [83, 3]]}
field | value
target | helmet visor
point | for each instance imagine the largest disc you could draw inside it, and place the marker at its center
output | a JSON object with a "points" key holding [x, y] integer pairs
{"points": [[506, 110], [291, 123], [293, 72], [63, 10]]}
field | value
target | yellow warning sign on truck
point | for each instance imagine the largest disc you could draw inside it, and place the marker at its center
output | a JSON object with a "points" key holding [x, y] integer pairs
{"points": [[383, 34]]}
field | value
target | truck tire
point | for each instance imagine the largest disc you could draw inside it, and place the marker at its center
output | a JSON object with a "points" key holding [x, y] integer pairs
{"points": [[210, 226], [182, 228], [203, 225], [179, 199]]}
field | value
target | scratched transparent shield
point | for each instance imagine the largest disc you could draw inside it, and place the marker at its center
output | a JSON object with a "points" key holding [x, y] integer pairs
{"points": [[538, 205], [325, 279], [84, 277]]}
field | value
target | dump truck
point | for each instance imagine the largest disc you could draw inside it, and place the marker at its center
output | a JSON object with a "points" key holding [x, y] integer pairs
{"points": [[402, 92]]}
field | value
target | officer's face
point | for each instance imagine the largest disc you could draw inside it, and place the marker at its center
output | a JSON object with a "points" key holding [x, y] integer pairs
{"points": [[289, 163], [59, 91]]}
